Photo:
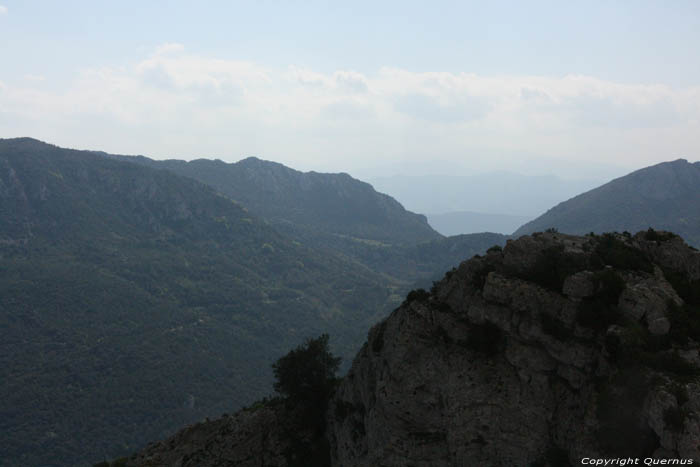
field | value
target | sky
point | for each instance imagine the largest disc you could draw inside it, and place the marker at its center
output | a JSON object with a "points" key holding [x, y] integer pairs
{"points": [[576, 89]]}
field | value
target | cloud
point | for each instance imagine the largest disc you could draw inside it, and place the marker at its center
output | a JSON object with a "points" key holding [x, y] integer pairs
{"points": [[169, 48], [35, 78], [3, 10], [618, 112], [347, 109], [174, 103], [351, 81], [445, 110]]}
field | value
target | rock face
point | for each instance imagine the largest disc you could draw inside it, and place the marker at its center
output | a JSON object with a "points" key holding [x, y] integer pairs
{"points": [[556, 348], [250, 438], [549, 350]]}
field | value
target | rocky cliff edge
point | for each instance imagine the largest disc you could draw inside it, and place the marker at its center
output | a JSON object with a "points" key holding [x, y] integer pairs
{"points": [[549, 350]]}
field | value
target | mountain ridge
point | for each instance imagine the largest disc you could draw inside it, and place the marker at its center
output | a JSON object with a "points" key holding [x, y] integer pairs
{"points": [[323, 201], [664, 196]]}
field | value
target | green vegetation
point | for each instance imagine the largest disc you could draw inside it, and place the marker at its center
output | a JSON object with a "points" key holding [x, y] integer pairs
{"points": [[306, 378], [315, 202], [685, 322], [654, 236], [478, 277], [552, 267], [616, 253], [336, 214], [378, 342], [306, 375], [134, 301], [641, 359], [419, 295], [600, 310]]}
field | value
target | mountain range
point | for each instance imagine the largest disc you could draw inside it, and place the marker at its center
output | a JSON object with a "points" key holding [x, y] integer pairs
{"points": [[665, 196], [134, 300], [137, 296]]}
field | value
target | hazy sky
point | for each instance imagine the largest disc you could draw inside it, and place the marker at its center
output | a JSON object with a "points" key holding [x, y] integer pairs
{"points": [[344, 86]]}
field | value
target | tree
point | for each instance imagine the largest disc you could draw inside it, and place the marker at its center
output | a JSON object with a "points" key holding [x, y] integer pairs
{"points": [[307, 373], [305, 377]]}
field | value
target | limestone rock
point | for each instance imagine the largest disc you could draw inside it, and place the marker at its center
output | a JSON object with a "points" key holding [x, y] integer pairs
{"points": [[429, 389]]}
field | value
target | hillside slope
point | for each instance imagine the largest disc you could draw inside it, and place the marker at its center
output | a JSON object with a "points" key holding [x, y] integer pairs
{"points": [[665, 196], [134, 300]]}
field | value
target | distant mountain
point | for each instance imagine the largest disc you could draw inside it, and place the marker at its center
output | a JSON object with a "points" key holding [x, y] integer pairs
{"points": [[494, 192], [335, 214], [330, 203], [134, 300], [665, 196], [464, 222]]}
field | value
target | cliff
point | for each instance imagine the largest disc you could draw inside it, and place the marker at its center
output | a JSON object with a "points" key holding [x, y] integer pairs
{"points": [[554, 348]]}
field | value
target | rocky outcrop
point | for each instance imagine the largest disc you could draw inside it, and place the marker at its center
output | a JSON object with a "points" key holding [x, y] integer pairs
{"points": [[253, 437], [553, 349], [549, 350]]}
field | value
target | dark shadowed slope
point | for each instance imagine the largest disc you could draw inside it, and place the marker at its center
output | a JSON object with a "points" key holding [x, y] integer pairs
{"points": [[665, 196], [134, 300]]}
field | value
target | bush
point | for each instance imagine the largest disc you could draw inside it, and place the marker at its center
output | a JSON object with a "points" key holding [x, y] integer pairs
{"points": [[378, 342], [552, 267], [685, 323], [420, 295], [478, 278], [600, 310], [614, 252], [688, 290]]}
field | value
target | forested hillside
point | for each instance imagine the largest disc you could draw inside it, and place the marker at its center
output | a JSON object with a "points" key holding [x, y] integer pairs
{"points": [[133, 300]]}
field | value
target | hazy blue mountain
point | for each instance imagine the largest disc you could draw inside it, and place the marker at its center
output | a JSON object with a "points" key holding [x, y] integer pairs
{"points": [[134, 300], [665, 196], [496, 192], [463, 222]]}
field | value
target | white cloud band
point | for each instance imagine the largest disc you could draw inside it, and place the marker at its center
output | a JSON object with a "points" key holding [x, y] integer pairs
{"points": [[173, 103]]}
